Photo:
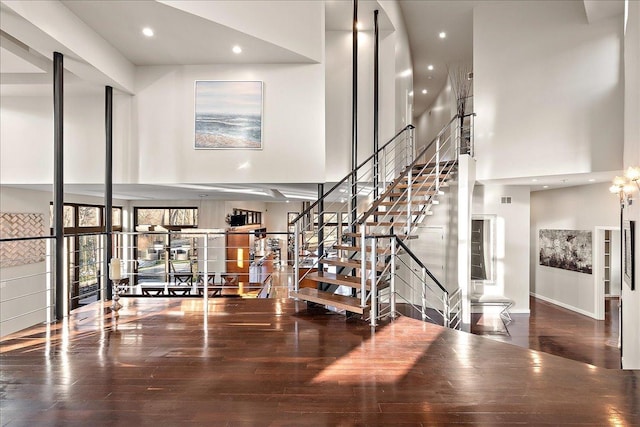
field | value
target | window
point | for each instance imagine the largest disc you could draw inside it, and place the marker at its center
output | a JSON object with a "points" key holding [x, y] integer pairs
{"points": [[83, 226], [167, 217], [160, 255], [253, 217]]}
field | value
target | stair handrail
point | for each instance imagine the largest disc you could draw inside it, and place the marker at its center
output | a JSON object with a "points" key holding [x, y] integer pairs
{"points": [[351, 173], [420, 264], [376, 203]]}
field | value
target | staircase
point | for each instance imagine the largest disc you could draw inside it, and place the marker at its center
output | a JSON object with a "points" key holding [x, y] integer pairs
{"points": [[389, 195]]}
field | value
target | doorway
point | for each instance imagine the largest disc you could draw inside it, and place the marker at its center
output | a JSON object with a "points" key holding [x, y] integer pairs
{"points": [[607, 263]]}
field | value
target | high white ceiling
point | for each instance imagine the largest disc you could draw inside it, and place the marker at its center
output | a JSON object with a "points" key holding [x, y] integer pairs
{"points": [[424, 21], [180, 37], [183, 38]]}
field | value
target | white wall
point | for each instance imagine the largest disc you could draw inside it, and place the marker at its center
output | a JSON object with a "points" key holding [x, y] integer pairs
{"points": [[403, 65], [435, 117], [24, 297], [574, 208], [631, 299], [338, 116], [512, 240], [395, 80], [444, 216], [26, 139], [153, 131], [548, 90], [293, 126]]}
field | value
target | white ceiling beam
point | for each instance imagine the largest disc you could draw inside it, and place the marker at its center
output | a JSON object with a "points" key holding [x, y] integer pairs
{"points": [[48, 26]]}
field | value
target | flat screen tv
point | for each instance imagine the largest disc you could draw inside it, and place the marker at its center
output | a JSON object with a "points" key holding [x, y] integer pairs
{"points": [[238, 220]]}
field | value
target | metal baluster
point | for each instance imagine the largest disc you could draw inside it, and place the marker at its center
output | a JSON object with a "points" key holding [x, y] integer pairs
{"points": [[424, 293], [363, 266], [392, 285], [205, 271], [437, 165], [374, 287], [409, 185], [296, 256], [446, 310]]}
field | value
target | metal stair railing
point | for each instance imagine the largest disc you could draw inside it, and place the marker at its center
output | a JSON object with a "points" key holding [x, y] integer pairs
{"points": [[445, 148], [396, 163], [357, 189], [438, 305]]}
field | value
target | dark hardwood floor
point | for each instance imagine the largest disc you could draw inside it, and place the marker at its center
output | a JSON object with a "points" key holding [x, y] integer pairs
{"points": [[555, 330], [161, 362]]}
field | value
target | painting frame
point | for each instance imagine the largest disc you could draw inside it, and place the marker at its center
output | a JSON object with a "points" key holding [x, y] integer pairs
{"points": [[628, 238], [228, 115], [570, 250]]}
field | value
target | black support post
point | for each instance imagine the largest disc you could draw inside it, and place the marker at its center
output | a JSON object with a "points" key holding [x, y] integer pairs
{"points": [[354, 122], [108, 185], [58, 182], [376, 54], [320, 226]]}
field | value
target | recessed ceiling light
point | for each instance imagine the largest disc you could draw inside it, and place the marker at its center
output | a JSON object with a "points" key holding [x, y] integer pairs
{"points": [[424, 91], [534, 180], [430, 68], [147, 32], [545, 186], [442, 35], [236, 49], [592, 180], [411, 93]]}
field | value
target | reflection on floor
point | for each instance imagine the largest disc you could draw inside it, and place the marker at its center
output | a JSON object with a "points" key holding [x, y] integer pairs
{"points": [[555, 330], [259, 362]]}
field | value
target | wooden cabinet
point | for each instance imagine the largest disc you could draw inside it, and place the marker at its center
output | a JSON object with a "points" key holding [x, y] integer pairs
{"points": [[240, 246]]}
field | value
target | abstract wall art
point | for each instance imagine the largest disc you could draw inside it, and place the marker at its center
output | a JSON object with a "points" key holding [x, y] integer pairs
{"points": [[566, 249]]}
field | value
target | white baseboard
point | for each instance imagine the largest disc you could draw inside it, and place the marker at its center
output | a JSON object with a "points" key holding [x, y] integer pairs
{"points": [[563, 305]]}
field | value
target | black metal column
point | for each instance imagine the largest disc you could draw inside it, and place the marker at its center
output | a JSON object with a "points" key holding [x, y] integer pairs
{"points": [[58, 182], [376, 54], [320, 226], [108, 185], [354, 121]]}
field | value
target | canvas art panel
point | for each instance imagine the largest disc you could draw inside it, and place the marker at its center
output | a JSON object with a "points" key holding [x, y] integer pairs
{"points": [[228, 114], [628, 231], [566, 249]]}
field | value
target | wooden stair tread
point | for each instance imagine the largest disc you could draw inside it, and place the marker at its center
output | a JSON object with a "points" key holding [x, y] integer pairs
{"points": [[401, 213], [401, 236], [419, 186], [386, 223], [352, 263], [413, 193], [404, 202], [337, 279], [327, 298], [444, 163], [358, 249]]}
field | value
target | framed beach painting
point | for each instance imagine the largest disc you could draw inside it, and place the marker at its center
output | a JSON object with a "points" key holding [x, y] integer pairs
{"points": [[228, 114]]}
